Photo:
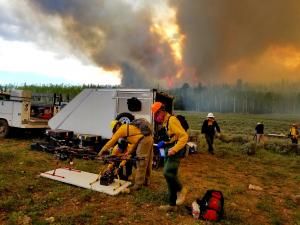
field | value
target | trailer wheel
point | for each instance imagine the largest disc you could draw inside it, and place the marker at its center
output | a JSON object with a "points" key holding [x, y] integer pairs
{"points": [[4, 128], [125, 117]]}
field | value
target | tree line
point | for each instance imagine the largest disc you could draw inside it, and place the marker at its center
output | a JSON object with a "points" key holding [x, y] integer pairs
{"points": [[281, 97], [239, 98]]}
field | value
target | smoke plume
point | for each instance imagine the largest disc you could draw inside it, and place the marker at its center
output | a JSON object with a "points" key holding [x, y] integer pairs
{"points": [[241, 39], [221, 40], [116, 35]]}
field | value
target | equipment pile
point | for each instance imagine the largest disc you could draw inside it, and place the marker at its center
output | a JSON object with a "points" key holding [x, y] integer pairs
{"points": [[66, 145], [108, 175]]}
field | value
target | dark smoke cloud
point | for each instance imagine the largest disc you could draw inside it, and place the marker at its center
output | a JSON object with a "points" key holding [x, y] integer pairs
{"points": [[222, 32], [115, 35]]}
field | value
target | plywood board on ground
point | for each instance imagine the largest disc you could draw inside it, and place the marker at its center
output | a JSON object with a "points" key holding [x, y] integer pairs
{"points": [[84, 180]]}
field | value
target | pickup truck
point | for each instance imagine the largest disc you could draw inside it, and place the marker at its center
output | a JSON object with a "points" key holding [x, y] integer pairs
{"points": [[20, 109]]}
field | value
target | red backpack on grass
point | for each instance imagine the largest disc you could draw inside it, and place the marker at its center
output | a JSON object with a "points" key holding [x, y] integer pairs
{"points": [[211, 206]]}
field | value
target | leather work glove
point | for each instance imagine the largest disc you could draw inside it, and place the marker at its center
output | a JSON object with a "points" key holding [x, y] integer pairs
{"points": [[126, 156], [101, 153], [122, 163], [110, 167], [160, 144]]}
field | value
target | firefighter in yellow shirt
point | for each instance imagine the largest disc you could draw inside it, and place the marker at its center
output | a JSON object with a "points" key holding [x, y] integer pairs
{"points": [[139, 144], [178, 139], [294, 134]]}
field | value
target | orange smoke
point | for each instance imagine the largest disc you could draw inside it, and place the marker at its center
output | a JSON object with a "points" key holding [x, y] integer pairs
{"points": [[286, 56], [275, 63], [165, 26]]}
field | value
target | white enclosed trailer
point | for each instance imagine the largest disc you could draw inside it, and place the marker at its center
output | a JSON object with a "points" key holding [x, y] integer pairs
{"points": [[92, 110]]}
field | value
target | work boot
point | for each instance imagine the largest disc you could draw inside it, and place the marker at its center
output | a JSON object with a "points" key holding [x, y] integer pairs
{"points": [[135, 187], [168, 208], [181, 196]]}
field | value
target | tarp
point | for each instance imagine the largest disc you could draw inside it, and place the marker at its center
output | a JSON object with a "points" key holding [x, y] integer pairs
{"points": [[90, 112]]}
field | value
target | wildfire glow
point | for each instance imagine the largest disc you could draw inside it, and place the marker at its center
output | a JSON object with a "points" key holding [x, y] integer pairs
{"points": [[166, 27], [276, 62], [288, 56]]}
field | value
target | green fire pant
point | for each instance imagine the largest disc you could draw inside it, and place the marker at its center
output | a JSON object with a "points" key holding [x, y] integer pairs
{"points": [[171, 166], [210, 142]]}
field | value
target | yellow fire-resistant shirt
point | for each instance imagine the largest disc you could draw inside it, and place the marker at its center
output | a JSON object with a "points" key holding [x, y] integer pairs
{"points": [[132, 133], [294, 132], [116, 151], [176, 132]]}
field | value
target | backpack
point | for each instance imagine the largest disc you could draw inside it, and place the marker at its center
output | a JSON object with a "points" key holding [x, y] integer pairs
{"points": [[143, 125], [211, 206], [182, 121]]}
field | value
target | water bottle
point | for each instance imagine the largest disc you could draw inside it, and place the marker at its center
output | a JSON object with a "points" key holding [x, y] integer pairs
{"points": [[195, 210]]}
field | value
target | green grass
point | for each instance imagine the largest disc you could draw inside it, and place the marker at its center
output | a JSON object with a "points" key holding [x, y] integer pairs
{"points": [[146, 196]]}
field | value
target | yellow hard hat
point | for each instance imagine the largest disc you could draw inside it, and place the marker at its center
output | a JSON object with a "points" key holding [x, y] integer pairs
{"points": [[156, 106], [113, 123]]}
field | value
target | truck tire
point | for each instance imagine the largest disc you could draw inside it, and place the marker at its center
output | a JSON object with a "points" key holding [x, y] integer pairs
{"points": [[4, 128], [125, 117]]}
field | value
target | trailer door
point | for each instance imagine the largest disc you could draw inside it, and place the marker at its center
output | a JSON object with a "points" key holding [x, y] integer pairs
{"points": [[144, 96]]}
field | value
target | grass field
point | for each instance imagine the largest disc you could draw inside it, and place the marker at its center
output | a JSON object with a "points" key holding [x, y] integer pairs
{"points": [[26, 198]]}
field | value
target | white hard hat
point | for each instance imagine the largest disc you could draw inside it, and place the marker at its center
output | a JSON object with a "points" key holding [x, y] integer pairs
{"points": [[210, 115]]}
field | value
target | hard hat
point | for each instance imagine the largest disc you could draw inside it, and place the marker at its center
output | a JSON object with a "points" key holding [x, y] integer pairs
{"points": [[113, 123], [210, 115], [156, 106]]}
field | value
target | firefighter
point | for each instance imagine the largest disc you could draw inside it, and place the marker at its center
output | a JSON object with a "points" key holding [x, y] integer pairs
{"points": [[259, 135], [178, 139], [294, 133], [140, 145], [209, 128]]}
